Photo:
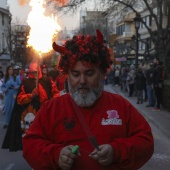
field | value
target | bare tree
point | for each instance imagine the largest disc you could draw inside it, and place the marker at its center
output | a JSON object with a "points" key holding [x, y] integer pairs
{"points": [[157, 36], [160, 36]]}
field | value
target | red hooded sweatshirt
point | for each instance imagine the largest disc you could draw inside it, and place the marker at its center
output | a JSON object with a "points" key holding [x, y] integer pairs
{"points": [[112, 120]]}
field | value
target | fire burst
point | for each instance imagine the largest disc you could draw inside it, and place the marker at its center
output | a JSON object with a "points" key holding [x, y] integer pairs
{"points": [[43, 28]]}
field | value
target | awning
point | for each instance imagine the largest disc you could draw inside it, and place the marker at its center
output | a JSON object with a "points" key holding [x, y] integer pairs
{"points": [[5, 57], [120, 59]]}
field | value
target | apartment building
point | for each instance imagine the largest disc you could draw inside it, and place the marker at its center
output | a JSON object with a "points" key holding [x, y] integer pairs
{"points": [[92, 20], [125, 46], [5, 18]]}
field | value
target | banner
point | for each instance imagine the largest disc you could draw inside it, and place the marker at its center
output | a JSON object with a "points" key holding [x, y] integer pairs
{"points": [[120, 59]]}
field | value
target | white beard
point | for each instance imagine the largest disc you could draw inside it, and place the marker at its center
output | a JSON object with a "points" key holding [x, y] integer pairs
{"points": [[88, 99]]}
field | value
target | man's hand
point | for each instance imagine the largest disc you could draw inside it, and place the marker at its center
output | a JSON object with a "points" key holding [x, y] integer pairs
{"points": [[104, 156], [35, 92], [66, 158]]}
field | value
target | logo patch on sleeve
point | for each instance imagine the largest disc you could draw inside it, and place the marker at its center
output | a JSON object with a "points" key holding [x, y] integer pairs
{"points": [[113, 118]]}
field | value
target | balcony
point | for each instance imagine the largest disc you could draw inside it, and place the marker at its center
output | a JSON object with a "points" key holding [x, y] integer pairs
{"points": [[128, 34], [125, 36]]}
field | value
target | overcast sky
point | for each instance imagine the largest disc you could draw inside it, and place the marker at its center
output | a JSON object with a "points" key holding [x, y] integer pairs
{"points": [[21, 14]]}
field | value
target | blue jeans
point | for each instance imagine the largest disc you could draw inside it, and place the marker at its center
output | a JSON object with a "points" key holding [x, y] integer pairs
{"points": [[151, 96]]}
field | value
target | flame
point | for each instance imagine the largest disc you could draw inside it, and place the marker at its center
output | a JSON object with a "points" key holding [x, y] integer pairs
{"points": [[43, 28], [23, 2]]}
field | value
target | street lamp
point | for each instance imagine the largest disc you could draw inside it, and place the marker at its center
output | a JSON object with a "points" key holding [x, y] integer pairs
{"points": [[137, 25], [114, 48], [128, 51], [114, 53]]}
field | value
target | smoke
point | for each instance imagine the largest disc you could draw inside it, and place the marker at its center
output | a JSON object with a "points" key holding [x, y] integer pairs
{"points": [[59, 2], [23, 2]]}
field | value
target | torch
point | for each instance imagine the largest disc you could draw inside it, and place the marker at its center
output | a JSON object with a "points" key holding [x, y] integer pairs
{"points": [[38, 70]]}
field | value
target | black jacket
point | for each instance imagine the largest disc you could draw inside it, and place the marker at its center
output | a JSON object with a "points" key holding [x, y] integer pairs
{"points": [[157, 75]]}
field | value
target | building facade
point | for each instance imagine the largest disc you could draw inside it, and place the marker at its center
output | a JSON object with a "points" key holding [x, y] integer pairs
{"points": [[152, 39], [5, 21]]}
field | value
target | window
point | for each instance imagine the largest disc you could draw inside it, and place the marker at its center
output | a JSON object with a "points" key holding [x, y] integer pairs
{"points": [[120, 29], [2, 19], [147, 20], [3, 40]]}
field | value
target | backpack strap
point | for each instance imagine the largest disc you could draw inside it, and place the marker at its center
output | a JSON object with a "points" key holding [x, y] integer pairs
{"points": [[86, 128]]}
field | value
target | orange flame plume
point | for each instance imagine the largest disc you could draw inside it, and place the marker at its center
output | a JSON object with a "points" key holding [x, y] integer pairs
{"points": [[43, 28]]}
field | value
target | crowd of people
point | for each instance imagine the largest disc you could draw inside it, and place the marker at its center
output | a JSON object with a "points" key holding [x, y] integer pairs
{"points": [[22, 92], [47, 125], [144, 82]]}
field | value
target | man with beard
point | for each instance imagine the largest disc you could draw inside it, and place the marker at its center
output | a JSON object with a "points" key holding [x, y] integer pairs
{"points": [[109, 131]]}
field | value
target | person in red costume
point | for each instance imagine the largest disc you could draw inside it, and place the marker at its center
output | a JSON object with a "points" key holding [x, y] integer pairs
{"points": [[44, 70], [34, 91], [109, 130], [45, 90], [61, 81]]}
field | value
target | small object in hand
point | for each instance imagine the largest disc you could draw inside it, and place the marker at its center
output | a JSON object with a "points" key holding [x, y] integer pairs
{"points": [[75, 149]]}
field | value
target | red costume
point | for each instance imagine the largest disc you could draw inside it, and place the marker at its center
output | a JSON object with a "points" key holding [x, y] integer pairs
{"points": [[110, 121], [60, 82], [26, 107], [24, 98]]}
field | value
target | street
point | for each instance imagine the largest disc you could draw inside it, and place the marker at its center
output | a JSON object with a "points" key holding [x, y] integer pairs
{"points": [[159, 160], [161, 156], [10, 160]]}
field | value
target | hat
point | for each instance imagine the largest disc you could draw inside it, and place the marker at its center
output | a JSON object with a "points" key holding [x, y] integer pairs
{"points": [[33, 67], [16, 67], [86, 48], [132, 67]]}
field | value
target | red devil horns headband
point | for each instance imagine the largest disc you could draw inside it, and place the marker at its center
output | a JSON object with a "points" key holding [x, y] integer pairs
{"points": [[58, 48], [99, 36], [63, 50]]}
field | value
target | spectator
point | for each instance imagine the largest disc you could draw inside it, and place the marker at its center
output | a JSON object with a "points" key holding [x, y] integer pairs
{"points": [[124, 74], [1, 92], [111, 76], [145, 97], [157, 82], [117, 75], [149, 86], [10, 88], [131, 80], [1, 72], [140, 83], [21, 76], [16, 70]]}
